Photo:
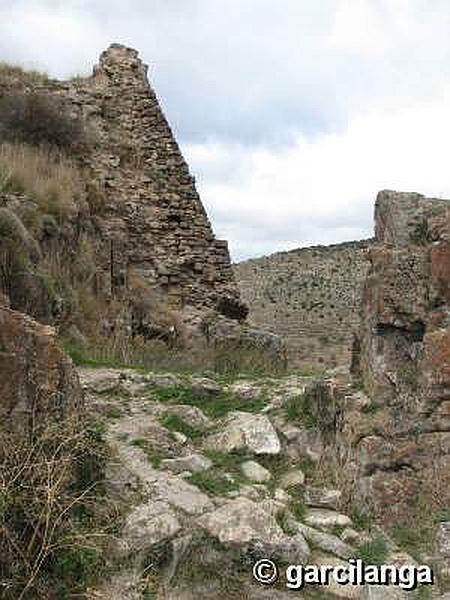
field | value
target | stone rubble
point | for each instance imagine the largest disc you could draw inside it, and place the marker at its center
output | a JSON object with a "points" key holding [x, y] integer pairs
{"points": [[168, 505]]}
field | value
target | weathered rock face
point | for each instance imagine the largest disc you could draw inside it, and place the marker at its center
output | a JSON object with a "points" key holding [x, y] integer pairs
{"points": [[405, 356], [38, 383], [310, 297]]}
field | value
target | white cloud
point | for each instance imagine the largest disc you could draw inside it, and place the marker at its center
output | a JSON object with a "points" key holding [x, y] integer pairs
{"points": [[292, 113], [54, 37], [322, 190], [253, 71]]}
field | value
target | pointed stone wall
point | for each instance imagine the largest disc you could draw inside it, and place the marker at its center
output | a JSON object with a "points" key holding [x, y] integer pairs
{"points": [[150, 220]]}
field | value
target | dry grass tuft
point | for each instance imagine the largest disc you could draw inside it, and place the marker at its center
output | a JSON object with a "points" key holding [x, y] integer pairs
{"points": [[51, 530], [8, 72], [45, 175]]}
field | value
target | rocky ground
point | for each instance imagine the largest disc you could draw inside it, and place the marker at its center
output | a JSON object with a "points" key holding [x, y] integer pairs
{"points": [[210, 476]]}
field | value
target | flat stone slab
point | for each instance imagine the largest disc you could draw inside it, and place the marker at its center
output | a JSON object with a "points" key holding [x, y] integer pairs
{"points": [[322, 497], [246, 431], [243, 523], [193, 462], [327, 542]]}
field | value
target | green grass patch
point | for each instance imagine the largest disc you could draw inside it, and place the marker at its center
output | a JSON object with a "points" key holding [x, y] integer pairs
{"points": [[371, 409], [176, 423], [337, 530], [283, 520], [424, 592], [308, 466], [374, 552], [81, 357], [154, 457], [74, 568], [154, 564], [415, 540], [309, 372], [224, 476], [214, 482], [298, 409], [298, 509], [239, 358], [113, 412], [357, 384], [277, 465], [230, 462], [361, 521], [217, 407], [443, 515]]}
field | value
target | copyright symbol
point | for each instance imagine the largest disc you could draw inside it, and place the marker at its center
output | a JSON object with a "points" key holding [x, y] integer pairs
{"points": [[265, 571]]}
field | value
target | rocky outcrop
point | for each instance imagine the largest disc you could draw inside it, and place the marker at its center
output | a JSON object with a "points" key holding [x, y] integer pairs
{"points": [[38, 382], [405, 356]]}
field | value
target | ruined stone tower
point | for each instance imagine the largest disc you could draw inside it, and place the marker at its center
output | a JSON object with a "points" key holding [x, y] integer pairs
{"points": [[151, 223], [139, 209], [153, 218]]}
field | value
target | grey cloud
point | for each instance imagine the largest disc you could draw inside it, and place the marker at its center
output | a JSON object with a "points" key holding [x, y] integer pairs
{"points": [[254, 72], [254, 75], [255, 235]]}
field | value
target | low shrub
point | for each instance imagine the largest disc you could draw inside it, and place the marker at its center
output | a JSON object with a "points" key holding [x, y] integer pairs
{"points": [[153, 454], [298, 409], [213, 482], [233, 357], [17, 249], [298, 509], [417, 540], [177, 424], [39, 119], [222, 404]]}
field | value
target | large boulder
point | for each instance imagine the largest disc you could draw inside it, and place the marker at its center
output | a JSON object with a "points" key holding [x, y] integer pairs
{"points": [[149, 524], [38, 381], [243, 524]]}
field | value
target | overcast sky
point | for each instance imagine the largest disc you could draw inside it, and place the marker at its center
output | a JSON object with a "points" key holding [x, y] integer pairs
{"points": [[291, 113]]}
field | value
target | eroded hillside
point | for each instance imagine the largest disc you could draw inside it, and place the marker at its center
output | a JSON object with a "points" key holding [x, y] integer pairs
{"points": [[311, 297]]}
